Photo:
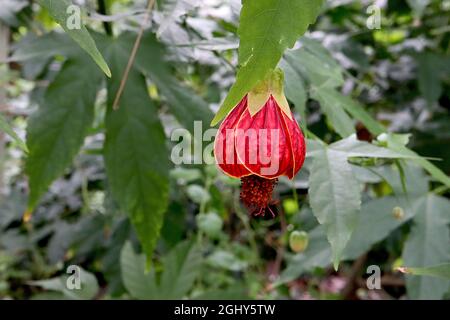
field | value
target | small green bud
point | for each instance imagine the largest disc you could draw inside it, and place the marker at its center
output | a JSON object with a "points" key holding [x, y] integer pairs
{"points": [[398, 213], [298, 241], [290, 206], [210, 223]]}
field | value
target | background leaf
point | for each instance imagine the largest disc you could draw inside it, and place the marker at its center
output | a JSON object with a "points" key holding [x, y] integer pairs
{"points": [[6, 128], [394, 143], [135, 154], [88, 282], [418, 5], [295, 90], [9, 9], [185, 104], [340, 120], [430, 70], [338, 100], [376, 222], [141, 284], [173, 9], [56, 132], [45, 46], [353, 147], [335, 198], [316, 65], [428, 245], [58, 11], [181, 268], [439, 271]]}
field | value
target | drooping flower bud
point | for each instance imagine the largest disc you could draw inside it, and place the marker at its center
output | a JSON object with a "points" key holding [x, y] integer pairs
{"points": [[298, 241], [259, 141]]}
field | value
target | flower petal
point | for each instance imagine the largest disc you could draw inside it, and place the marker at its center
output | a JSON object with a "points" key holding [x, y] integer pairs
{"points": [[297, 143], [224, 147], [261, 142]]}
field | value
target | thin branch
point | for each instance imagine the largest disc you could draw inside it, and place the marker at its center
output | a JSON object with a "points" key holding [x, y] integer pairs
{"points": [[137, 43], [386, 281], [4, 48], [355, 271], [281, 247]]}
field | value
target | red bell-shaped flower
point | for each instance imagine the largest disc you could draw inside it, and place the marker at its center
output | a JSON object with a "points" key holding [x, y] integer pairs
{"points": [[260, 140]]}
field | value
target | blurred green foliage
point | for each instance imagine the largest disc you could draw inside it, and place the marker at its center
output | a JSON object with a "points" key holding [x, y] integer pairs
{"points": [[105, 192]]}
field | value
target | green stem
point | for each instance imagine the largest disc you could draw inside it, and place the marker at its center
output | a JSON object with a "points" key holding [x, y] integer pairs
{"points": [[102, 9], [294, 193], [202, 208], [85, 194], [441, 190], [245, 221]]}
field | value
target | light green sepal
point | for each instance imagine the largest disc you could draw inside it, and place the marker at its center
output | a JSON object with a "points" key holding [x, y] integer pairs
{"points": [[271, 85]]}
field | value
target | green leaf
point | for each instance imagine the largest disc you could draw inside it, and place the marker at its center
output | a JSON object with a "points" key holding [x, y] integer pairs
{"points": [[172, 10], [45, 46], [316, 64], [428, 245], [376, 222], [394, 142], [335, 198], [181, 266], [439, 271], [415, 179], [418, 6], [429, 76], [353, 147], [226, 260], [317, 49], [355, 110], [184, 103], [9, 10], [139, 283], [366, 174], [6, 128], [295, 90], [88, 282], [198, 194], [60, 11], [210, 223], [335, 112], [136, 156], [57, 130], [267, 28], [173, 230]]}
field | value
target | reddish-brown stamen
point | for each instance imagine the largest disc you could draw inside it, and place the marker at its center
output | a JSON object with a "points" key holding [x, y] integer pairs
{"points": [[256, 194]]}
